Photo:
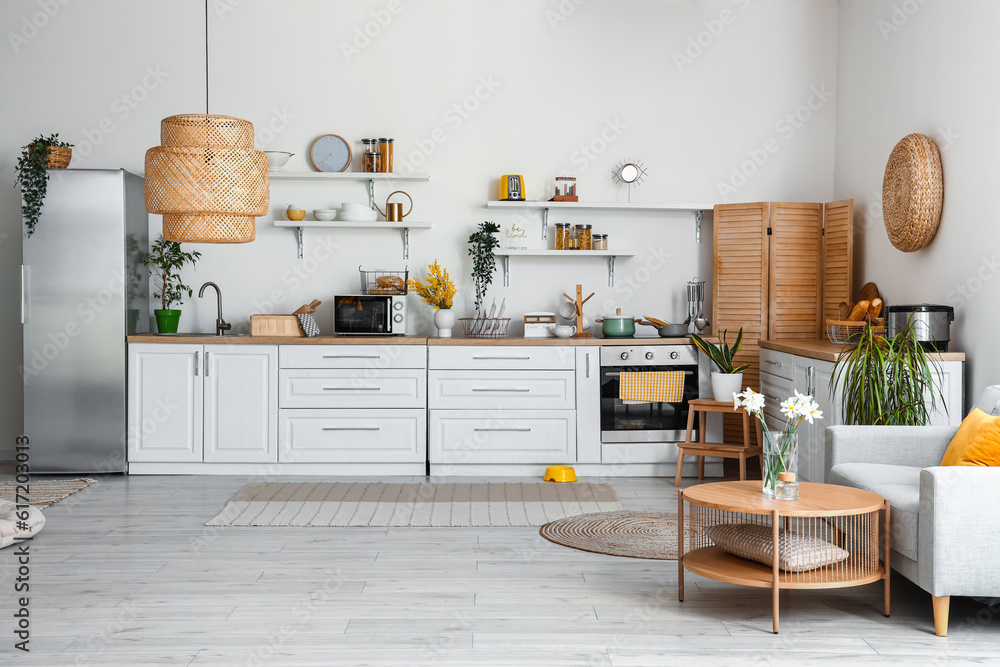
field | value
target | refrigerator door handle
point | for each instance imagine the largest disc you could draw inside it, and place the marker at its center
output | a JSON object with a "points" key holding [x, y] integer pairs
{"points": [[23, 306]]}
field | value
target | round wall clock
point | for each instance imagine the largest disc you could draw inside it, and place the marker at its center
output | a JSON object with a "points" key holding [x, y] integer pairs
{"points": [[330, 153]]}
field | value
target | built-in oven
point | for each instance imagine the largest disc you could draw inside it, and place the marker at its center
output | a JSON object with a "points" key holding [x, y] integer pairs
{"points": [[369, 314], [645, 422]]}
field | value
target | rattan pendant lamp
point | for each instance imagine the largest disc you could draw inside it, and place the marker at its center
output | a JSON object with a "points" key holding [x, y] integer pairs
{"points": [[206, 179]]}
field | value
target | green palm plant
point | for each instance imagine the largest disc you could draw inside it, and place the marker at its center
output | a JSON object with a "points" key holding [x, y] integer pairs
{"points": [[886, 382], [722, 355]]}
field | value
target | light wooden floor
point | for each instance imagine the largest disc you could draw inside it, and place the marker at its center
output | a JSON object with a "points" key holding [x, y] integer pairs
{"points": [[125, 573]]}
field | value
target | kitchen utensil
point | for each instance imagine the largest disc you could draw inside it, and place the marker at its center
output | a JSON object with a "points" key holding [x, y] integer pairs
{"points": [[394, 212], [277, 159], [362, 214], [325, 214], [578, 307], [618, 325], [276, 325], [563, 331], [330, 153], [673, 331], [511, 187], [931, 324], [696, 303]]}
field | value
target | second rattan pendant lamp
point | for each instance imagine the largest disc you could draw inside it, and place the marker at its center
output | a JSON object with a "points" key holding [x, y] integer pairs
{"points": [[206, 179]]}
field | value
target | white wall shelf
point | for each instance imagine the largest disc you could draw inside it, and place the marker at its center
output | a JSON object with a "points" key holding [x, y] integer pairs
{"points": [[506, 254], [345, 176], [403, 227], [545, 206]]}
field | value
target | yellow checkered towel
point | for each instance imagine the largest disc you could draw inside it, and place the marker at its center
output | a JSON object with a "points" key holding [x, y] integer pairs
{"points": [[651, 387]]}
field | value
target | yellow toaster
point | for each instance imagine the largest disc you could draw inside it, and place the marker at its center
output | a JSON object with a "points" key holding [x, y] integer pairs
{"points": [[512, 187]]}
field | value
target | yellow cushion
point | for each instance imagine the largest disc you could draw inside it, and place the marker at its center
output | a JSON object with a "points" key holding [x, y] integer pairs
{"points": [[977, 442]]}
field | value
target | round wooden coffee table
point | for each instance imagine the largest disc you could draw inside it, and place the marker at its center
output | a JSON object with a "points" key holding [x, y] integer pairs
{"points": [[840, 515]]}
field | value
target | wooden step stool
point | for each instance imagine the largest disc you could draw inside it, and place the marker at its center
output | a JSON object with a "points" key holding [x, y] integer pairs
{"points": [[701, 449]]}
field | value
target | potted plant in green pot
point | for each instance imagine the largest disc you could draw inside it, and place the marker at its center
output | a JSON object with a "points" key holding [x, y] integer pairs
{"points": [[36, 159], [886, 381], [729, 379], [165, 261]]}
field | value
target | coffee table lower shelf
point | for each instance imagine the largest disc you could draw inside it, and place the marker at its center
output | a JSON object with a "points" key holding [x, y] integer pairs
{"points": [[714, 563]]}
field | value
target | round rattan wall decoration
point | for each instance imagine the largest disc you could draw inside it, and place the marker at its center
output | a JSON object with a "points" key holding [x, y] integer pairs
{"points": [[912, 192]]}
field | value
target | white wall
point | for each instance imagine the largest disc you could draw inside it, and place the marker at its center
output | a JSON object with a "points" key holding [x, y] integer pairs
{"points": [[565, 75], [927, 67]]}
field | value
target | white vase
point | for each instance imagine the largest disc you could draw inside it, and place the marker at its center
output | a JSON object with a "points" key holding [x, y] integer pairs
{"points": [[724, 385], [444, 320]]}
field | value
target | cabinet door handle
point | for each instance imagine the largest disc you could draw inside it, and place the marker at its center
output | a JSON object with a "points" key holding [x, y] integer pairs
{"points": [[23, 308], [773, 363], [516, 430], [500, 389], [811, 380], [588, 364], [352, 388], [196, 356], [208, 366], [352, 428], [516, 358], [352, 356]]}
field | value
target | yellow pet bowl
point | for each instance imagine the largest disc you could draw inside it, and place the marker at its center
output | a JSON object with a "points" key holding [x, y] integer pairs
{"points": [[560, 474]]}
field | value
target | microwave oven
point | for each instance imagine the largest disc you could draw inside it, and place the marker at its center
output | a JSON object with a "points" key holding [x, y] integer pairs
{"points": [[369, 314]]}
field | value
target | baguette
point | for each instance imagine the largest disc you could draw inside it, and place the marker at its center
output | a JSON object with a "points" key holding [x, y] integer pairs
{"points": [[843, 310], [859, 312], [875, 308]]}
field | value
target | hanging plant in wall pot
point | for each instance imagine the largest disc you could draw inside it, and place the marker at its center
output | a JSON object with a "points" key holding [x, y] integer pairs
{"points": [[165, 261], [32, 167]]}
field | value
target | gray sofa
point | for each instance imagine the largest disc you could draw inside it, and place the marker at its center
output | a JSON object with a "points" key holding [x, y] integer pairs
{"points": [[945, 523]]}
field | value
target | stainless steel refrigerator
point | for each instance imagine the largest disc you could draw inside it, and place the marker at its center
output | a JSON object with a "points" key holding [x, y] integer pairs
{"points": [[82, 291]]}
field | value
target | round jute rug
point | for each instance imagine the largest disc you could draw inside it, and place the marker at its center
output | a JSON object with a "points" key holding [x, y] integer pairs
{"points": [[624, 533]]}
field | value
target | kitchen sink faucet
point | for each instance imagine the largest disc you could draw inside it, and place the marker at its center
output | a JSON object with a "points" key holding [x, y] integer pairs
{"points": [[221, 326]]}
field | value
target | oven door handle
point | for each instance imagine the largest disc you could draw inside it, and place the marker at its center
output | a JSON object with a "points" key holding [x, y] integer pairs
{"points": [[614, 374]]}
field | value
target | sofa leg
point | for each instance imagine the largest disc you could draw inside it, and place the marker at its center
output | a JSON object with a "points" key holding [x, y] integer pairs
{"points": [[941, 614]]}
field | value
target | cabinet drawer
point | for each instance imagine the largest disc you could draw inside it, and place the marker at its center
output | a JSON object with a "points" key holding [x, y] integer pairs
{"points": [[491, 436], [776, 363], [352, 436], [775, 389], [352, 356], [501, 390], [319, 388], [501, 357]]}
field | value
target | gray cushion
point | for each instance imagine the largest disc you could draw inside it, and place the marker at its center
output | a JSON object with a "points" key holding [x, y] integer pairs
{"points": [[900, 485], [989, 400]]}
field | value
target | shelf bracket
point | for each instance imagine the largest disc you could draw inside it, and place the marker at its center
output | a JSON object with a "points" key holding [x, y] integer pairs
{"points": [[406, 242], [298, 240], [611, 270], [506, 270], [371, 194], [697, 226], [545, 224]]}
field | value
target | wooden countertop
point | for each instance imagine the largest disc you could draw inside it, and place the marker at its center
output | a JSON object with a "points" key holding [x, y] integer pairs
{"points": [[824, 350], [395, 340], [277, 340]]}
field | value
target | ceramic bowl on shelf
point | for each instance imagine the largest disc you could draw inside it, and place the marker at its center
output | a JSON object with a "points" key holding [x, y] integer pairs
{"points": [[325, 214], [362, 214], [277, 159], [348, 206]]}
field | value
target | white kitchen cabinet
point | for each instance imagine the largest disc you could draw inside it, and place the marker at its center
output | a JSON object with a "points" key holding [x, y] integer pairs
{"points": [[362, 435], [165, 403], [353, 388], [202, 403], [588, 404], [241, 401], [501, 357], [493, 436], [781, 373], [502, 390]]}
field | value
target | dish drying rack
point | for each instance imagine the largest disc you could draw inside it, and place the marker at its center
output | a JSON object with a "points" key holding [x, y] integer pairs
{"points": [[484, 327], [370, 281]]}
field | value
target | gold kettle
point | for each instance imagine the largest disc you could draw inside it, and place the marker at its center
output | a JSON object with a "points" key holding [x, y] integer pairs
{"points": [[394, 212]]}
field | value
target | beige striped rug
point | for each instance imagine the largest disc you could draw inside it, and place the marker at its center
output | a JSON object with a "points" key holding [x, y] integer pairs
{"points": [[383, 504], [44, 492]]}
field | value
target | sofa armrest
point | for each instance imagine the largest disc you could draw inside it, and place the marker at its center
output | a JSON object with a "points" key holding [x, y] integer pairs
{"points": [[919, 446], [959, 530]]}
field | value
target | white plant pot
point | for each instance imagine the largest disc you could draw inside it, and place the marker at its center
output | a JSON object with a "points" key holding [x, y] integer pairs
{"points": [[444, 320], [724, 385]]}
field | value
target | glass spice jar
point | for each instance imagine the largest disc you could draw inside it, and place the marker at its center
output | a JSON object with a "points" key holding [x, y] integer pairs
{"points": [[573, 239], [600, 241], [562, 235]]}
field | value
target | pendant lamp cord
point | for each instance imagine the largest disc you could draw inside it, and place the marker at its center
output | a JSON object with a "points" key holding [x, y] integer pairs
{"points": [[206, 57]]}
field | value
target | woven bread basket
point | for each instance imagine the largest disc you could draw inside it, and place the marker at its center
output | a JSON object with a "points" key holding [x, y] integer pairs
{"points": [[913, 192]]}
